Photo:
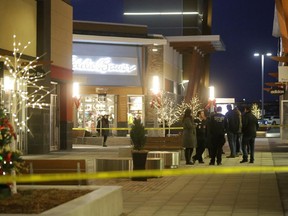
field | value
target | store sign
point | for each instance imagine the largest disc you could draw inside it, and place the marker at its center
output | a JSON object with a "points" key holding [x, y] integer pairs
{"points": [[282, 73], [277, 91], [104, 65]]}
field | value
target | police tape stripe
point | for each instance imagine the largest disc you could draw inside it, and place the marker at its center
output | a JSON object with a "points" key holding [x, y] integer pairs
{"points": [[176, 128], [171, 128], [142, 173]]}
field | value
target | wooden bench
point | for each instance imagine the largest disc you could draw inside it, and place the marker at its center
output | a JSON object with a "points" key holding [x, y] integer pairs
{"points": [[173, 143], [78, 134], [167, 148], [45, 166], [126, 164]]}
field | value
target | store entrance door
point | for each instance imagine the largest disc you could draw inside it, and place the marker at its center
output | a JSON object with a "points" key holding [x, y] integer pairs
{"points": [[284, 120], [54, 124], [91, 110], [135, 108]]}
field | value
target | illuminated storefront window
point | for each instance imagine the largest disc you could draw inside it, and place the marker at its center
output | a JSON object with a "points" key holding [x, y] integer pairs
{"points": [[92, 108], [135, 108]]}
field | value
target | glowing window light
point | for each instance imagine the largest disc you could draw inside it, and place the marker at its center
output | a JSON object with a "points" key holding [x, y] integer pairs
{"points": [[8, 83], [211, 93], [76, 90], [155, 85]]}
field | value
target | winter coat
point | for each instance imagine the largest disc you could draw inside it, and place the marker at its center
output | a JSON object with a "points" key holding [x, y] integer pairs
{"points": [[249, 125], [201, 129], [232, 121], [217, 125], [240, 121], [217, 129], [189, 133], [103, 123]]}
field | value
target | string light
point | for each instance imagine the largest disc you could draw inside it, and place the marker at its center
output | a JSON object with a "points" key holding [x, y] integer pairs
{"points": [[24, 78]]}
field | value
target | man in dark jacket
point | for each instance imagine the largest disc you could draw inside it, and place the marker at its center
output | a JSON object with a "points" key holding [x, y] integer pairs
{"points": [[232, 124], [249, 129], [217, 132]]}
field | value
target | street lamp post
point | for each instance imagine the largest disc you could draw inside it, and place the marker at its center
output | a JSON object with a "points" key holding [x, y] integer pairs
{"points": [[262, 80]]}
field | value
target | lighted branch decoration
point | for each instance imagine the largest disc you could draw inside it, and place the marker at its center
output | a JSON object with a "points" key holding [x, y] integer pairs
{"points": [[164, 106], [255, 110], [25, 75], [194, 104]]}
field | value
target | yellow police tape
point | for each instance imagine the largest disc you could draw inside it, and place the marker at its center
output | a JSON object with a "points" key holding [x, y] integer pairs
{"points": [[174, 128], [142, 173], [171, 128]]}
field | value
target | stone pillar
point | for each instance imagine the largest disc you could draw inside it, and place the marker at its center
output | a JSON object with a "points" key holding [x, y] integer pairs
{"points": [[39, 125]]}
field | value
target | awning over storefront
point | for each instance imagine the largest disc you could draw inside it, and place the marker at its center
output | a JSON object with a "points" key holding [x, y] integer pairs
{"points": [[204, 44], [157, 40]]}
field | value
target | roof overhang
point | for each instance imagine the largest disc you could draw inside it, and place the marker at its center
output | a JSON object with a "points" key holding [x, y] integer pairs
{"points": [[204, 44], [119, 40]]}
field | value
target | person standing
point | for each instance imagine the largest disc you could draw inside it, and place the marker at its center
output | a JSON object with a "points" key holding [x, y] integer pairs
{"points": [[239, 133], [105, 129], [217, 131], [232, 127], [201, 135], [189, 135], [249, 129]]}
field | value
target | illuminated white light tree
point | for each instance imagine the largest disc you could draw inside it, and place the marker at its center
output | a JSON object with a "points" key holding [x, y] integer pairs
{"points": [[255, 110], [168, 111], [194, 104], [165, 106], [23, 88]]}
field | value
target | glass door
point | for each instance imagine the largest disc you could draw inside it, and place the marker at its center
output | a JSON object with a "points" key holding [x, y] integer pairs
{"points": [[92, 108], [284, 120], [135, 108]]}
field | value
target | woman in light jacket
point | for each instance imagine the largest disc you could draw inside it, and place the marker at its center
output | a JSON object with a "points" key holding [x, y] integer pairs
{"points": [[189, 135]]}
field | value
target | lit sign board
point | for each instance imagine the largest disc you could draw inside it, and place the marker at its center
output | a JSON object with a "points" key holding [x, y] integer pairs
{"points": [[282, 73], [277, 91], [104, 65]]}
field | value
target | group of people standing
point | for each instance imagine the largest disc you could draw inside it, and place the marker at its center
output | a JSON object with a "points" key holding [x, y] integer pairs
{"points": [[209, 132]]}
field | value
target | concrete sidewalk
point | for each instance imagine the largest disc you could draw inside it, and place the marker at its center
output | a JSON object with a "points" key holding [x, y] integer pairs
{"points": [[203, 195]]}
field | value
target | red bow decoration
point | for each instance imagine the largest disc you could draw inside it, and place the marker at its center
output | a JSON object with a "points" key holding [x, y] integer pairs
{"points": [[6, 123], [8, 157], [156, 101], [211, 103], [77, 102]]}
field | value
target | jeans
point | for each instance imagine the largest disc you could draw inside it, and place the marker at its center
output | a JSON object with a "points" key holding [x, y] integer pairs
{"points": [[248, 142], [239, 143], [232, 137]]}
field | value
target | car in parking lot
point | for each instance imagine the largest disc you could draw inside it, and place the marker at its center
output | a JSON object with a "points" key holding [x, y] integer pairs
{"points": [[272, 120], [262, 122]]}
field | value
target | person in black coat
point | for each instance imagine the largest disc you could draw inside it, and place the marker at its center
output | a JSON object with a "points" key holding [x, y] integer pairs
{"points": [[249, 128], [103, 128], [232, 125], [217, 133]]}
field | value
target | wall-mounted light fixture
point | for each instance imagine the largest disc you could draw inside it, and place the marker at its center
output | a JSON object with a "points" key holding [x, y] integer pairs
{"points": [[211, 93], [155, 85]]}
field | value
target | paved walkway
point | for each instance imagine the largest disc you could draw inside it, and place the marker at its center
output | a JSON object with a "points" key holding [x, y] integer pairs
{"points": [[257, 194]]}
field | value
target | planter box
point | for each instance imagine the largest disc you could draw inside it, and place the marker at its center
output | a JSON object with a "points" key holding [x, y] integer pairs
{"points": [[102, 201]]}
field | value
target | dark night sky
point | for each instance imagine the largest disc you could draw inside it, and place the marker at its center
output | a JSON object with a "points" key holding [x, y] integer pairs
{"points": [[244, 26]]}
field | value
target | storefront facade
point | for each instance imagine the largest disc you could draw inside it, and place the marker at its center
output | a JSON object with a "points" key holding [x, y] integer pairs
{"points": [[115, 69], [46, 28], [112, 77]]}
